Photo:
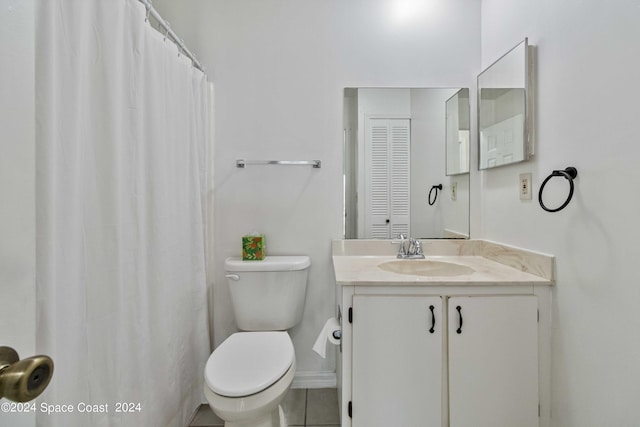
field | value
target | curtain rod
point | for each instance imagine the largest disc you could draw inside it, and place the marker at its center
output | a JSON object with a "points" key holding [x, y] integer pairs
{"points": [[165, 25]]}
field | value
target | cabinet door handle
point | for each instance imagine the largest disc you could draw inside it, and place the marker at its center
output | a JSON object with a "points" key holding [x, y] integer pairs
{"points": [[459, 330], [433, 320]]}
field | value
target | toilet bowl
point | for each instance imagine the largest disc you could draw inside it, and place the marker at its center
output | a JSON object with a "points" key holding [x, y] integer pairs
{"points": [[249, 374], [247, 377]]}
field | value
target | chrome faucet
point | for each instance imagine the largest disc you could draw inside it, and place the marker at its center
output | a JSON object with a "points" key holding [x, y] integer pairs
{"points": [[414, 251]]}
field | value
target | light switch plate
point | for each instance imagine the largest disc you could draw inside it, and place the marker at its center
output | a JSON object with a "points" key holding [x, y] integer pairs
{"points": [[524, 186]]}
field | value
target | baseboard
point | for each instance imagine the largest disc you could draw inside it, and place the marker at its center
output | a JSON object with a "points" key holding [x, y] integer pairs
{"points": [[314, 380]]}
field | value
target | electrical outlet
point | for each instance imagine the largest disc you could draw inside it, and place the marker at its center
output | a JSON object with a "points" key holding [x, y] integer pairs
{"points": [[454, 191], [524, 186]]}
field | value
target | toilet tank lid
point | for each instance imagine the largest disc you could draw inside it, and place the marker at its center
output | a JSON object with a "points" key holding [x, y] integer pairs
{"points": [[269, 263]]}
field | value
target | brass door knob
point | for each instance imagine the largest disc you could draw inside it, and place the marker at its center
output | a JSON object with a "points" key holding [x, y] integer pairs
{"points": [[23, 380]]}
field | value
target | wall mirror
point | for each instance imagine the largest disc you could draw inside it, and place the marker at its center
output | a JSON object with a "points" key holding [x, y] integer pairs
{"points": [[458, 131], [504, 109], [394, 155]]}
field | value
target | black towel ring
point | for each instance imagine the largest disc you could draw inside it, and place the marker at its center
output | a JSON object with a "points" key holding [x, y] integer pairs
{"points": [[435, 187], [569, 174]]}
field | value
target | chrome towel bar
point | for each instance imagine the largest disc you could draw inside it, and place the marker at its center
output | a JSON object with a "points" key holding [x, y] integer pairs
{"points": [[315, 163]]}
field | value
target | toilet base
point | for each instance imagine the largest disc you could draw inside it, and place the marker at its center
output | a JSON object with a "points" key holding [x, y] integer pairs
{"points": [[274, 419], [258, 410]]}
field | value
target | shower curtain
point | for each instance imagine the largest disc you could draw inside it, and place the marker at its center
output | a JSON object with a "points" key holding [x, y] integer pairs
{"points": [[122, 148]]}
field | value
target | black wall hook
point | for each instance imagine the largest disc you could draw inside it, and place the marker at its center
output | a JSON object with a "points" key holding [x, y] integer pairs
{"points": [[436, 188], [569, 174]]}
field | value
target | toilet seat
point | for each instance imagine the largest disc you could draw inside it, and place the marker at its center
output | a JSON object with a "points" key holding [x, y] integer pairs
{"points": [[249, 362]]}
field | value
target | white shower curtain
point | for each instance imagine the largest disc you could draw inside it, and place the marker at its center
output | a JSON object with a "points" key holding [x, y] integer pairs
{"points": [[122, 139]]}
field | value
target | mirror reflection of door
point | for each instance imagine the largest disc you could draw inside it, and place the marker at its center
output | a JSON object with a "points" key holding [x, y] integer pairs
{"points": [[387, 160], [502, 122]]}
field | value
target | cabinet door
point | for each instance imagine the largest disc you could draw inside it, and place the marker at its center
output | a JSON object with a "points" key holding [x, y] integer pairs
{"points": [[397, 361], [493, 361]]}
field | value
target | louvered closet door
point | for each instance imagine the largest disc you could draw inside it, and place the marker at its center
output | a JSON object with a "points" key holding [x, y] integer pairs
{"points": [[400, 147], [387, 176]]}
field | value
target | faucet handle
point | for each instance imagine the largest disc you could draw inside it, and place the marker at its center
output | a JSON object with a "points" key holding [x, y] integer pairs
{"points": [[412, 246], [402, 251], [418, 246]]}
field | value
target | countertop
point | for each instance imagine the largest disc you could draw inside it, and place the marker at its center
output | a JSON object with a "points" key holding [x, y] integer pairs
{"points": [[363, 270]]}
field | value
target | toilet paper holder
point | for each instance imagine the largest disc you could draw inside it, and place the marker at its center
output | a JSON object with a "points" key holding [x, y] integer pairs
{"points": [[23, 380]]}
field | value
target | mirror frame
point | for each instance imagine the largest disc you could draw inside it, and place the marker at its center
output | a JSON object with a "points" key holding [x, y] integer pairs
{"points": [[528, 129]]}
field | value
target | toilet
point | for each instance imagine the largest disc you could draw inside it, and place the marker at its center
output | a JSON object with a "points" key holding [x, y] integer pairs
{"points": [[249, 374]]}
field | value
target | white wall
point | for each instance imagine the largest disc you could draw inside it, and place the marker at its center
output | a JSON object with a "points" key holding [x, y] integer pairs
{"points": [[280, 68], [588, 65], [17, 184]]}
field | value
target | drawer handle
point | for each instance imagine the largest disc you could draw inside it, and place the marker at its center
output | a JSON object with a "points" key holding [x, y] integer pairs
{"points": [[459, 330], [433, 320]]}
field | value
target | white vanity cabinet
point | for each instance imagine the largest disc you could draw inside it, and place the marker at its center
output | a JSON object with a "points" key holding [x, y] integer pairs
{"points": [[493, 361], [397, 360], [429, 357], [460, 339]]}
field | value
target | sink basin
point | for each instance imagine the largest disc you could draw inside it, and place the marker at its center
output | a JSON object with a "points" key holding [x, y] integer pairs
{"points": [[425, 267]]}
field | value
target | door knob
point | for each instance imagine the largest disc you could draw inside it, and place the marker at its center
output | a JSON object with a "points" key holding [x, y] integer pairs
{"points": [[23, 380]]}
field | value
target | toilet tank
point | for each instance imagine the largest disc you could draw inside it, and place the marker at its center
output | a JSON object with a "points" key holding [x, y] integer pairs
{"points": [[268, 295]]}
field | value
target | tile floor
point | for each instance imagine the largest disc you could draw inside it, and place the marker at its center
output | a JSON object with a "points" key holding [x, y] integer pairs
{"points": [[303, 407]]}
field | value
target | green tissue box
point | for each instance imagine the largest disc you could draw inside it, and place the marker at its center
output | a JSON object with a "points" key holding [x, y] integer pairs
{"points": [[253, 247]]}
